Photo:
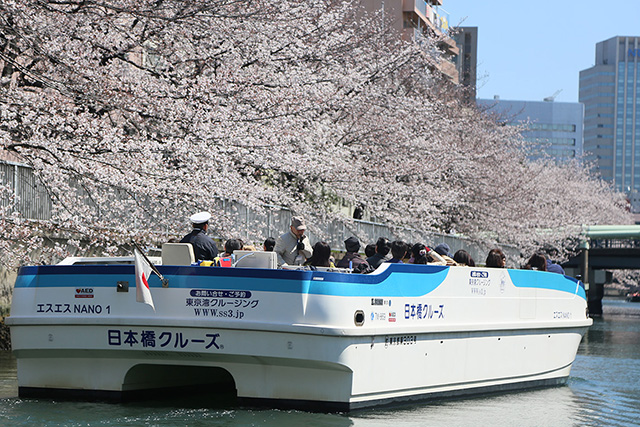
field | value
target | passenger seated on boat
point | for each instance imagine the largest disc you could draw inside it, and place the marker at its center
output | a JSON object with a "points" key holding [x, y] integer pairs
{"points": [[219, 261], [407, 258], [352, 258], [382, 253], [269, 244], [398, 251], [370, 250], [320, 257], [462, 257], [230, 246], [552, 267], [419, 254], [536, 262], [496, 259], [443, 250]]}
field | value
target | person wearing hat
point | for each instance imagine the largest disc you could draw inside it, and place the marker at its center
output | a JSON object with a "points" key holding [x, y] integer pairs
{"points": [[204, 248], [352, 245], [293, 247], [443, 250]]}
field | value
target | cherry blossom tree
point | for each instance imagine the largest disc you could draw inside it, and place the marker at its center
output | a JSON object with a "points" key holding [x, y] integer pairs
{"points": [[135, 114]]}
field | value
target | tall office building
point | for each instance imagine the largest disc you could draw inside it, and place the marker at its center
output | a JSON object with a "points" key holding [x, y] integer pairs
{"points": [[555, 128], [420, 19], [610, 91], [466, 61]]}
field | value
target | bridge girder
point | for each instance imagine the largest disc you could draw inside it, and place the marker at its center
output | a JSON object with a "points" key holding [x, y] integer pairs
{"points": [[609, 259]]}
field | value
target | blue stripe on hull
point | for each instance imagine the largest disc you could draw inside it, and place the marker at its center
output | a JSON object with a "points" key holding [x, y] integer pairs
{"points": [[397, 280], [403, 280], [547, 280]]}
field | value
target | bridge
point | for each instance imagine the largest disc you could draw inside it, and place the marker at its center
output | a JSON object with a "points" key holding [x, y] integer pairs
{"points": [[604, 247]]}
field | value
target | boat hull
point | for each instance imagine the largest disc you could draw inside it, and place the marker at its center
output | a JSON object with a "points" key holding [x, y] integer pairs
{"points": [[304, 339]]}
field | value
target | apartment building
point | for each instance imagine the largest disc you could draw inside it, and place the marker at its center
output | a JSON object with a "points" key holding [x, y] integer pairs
{"points": [[420, 19]]}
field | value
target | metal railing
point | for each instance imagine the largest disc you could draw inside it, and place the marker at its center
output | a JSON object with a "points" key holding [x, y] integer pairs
{"points": [[28, 195], [614, 243]]}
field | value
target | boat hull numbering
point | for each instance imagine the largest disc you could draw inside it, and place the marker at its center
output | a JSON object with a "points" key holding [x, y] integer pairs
{"points": [[308, 339]]}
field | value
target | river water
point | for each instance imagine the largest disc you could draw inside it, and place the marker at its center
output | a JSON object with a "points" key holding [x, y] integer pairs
{"points": [[603, 390]]}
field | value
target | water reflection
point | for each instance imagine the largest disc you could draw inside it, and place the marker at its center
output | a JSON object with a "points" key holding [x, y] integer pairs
{"points": [[616, 337], [606, 375], [8, 375], [548, 407]]}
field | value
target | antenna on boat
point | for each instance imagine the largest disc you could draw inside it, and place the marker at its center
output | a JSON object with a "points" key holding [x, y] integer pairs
{"points": [[165, 282]]}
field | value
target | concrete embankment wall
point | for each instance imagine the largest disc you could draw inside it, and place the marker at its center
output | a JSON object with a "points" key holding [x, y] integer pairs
{"points": [[7, 278], [5, 337]]}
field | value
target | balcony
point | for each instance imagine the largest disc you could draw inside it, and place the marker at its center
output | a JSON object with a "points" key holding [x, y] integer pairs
{"points": [[449, 70], [431, 20], [433, 16], [442, 63], [419, 8], [440, 19]]}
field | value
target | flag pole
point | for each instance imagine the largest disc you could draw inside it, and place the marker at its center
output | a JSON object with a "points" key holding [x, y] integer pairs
{"points": [[165, 282]]}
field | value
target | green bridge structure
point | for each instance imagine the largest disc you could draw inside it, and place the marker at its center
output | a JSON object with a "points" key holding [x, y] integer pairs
{"points": [[604, 248]]}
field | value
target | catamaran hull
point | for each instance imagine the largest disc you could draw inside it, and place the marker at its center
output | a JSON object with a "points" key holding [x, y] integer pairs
{"points": [[304, 339]]}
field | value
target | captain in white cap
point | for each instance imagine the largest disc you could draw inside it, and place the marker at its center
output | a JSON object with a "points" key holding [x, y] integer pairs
{"points": [[204, 248]]}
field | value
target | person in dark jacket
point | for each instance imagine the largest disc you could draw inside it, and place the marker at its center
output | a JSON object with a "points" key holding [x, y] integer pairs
{"points": [[553, 267], [204, 248], [370, 250], [352, 245], [382, 251], [398, 252]]}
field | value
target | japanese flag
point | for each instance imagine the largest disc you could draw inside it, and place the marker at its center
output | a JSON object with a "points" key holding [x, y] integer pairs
{"points": [[143, 271]]}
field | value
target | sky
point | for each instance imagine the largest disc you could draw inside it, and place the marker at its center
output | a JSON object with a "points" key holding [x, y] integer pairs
{"points": [[528, 50]]}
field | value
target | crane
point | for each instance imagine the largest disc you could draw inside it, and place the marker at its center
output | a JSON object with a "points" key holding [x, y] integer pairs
{"points": [[552, 97]]}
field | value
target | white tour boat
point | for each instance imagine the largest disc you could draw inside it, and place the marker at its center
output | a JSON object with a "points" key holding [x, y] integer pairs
{"points": [[312, 339]]}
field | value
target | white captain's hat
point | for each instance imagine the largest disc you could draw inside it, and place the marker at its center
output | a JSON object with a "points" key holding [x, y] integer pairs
{"points": [[200, 218]]}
